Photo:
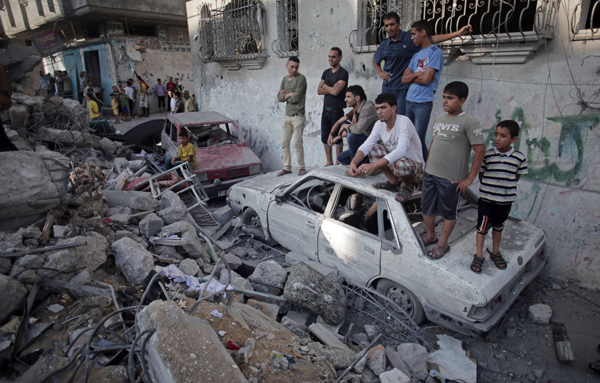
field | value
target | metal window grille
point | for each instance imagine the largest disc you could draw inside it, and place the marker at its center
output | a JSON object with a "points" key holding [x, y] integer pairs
{"points": [[585, 20], [287, 29], [232, 32], [492, 20]]}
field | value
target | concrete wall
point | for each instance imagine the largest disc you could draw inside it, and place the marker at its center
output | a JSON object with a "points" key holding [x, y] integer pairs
{"points": [[554, 95], [28, 17], [154, 58]]}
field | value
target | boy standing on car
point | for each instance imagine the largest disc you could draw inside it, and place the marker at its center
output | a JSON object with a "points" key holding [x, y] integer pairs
{"points": [[293, 92], [500, 171], [447, 173], [185, 153]]}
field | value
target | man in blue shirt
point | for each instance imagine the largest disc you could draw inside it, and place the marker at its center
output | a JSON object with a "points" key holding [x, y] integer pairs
{"points": [[397, 51]]}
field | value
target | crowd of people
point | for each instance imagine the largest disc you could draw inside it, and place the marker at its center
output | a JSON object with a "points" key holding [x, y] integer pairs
{"points": [[388, 136]]}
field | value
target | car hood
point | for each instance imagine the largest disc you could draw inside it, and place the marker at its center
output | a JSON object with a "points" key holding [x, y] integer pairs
{"points": [[520, 241], [224, 157], [267, 182]]}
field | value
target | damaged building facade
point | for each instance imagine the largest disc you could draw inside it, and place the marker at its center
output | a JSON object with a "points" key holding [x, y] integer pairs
{"points": [[534, 62], [107, 39]]}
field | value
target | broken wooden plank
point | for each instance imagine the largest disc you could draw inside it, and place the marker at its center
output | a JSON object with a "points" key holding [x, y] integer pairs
{"points": [[47, 228], [561, 340], [326, 336], [42, 250], [222, 230]]}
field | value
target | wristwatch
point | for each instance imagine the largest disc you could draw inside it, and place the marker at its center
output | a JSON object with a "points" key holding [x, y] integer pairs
{"points": [[7, 93]]}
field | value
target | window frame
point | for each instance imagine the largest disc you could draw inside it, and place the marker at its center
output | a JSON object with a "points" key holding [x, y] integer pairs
{"points": [[583, 10], [287, 32]]}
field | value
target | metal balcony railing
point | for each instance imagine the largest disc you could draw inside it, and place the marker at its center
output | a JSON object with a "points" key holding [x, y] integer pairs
{"points": [[287, 29]]}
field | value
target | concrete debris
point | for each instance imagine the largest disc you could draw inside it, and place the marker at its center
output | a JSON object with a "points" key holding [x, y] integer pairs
{"points": [[540, 313], [377, 362], [189, 239], [233, 261], [415, 357], [179, 336], [268, 277], [394, 376], [223, 215], [132, 259], [452, 361], [396, 361], [14, 296], [189, 267], [172, 209], [151, 225], [307, 288], [143, 202], [90, 256]]}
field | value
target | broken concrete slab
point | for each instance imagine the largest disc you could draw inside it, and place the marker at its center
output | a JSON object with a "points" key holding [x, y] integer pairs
{"points": [[396, 361], [540, 313], [189, 267], [307, 288], [394, 376], [32, 182], [377, 362], [151, 225], [452, 361], [134, 261], [269, 309], [184, 347], [14, 54], [189, 239], [223, 214], [90, 256], [69, 137], [236, 280], [268, 277], [172, 209], [19, 116], [120, 234], [415, 357], [14, 295], [117, 210], [120, 219], [233, 261], [137, 200]]}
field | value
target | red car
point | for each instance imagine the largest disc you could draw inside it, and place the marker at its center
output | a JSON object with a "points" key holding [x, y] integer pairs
{"points": [[223, 156]]}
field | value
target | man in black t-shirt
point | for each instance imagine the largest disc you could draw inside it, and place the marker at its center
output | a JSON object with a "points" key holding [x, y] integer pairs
{"points": [[333, 86]]}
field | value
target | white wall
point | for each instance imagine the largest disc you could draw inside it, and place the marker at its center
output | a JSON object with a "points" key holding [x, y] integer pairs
{"points": [[562, 192]]}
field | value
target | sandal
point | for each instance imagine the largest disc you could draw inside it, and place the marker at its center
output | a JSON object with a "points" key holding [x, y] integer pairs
{"points": [[283, 172], [498, 260], [477, 264], [387, 185], [435, 253], [403, 194], [301, 172], [427, 242]]}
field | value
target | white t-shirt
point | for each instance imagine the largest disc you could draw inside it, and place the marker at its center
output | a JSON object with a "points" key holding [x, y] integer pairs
{"points": [[129, 92], [401, 141], [173, 104]]}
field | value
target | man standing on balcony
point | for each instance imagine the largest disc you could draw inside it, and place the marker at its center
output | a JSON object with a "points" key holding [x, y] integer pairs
{"points": [[397, 51], [333, 86], [293, 92]]}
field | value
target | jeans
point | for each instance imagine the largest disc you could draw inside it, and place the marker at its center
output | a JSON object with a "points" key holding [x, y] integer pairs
{"points": [[400, 99], [354, 142], [328, 119], [169, 166], [419, 113], [293, 127]]}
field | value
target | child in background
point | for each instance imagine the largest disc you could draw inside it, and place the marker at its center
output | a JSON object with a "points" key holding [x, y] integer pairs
{"points": [[447, 173], [125, 106], [115, 107], [500, 171], [94, 110]]}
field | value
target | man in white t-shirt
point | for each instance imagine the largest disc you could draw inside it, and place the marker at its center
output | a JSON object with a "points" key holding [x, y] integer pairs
{"points": [[394, 148]]}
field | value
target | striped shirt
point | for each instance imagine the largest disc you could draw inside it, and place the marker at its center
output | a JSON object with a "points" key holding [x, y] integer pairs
{"points": [[499, 182]]}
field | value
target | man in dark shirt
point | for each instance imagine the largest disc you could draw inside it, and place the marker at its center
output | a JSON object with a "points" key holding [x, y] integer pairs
{"points": [[397, 51], [180, 106], [333, 86]]}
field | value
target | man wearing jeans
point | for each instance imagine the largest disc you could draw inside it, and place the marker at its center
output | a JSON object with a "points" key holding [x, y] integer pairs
{"points": [[293, 92], [356, 125], [423, 75], [333, 87]]}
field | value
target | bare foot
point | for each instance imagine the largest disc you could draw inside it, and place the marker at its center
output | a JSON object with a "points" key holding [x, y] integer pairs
{"points": [[328, 164]]}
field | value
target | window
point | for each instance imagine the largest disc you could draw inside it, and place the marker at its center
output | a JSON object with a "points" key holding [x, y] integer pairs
{"points": [[51, 6], [203, 136], [287, 28], [370, 30], [40, 7], [233, 32], [312, 194], [585, 20]]}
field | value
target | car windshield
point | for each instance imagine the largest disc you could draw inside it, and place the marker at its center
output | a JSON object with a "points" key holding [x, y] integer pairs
{"points": [[208, 135]]}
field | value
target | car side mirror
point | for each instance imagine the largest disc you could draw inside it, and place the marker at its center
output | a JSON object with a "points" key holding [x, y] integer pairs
{"points": [[279, 197]]}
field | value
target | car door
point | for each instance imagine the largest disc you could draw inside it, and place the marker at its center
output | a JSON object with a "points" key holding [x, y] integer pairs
{"points": [[292, 223], [352, 250]]}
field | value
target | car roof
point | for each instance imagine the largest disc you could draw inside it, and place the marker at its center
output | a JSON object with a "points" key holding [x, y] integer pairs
{"points": [[194, 118], [336, 174]]}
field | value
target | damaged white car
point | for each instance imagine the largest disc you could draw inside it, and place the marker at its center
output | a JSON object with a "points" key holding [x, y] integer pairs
{"points": [[345, 223]]}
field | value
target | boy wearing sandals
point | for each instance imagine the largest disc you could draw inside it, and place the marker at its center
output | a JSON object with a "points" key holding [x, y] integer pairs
{"points": [[394, 148], [455, 134], [500, 171]]}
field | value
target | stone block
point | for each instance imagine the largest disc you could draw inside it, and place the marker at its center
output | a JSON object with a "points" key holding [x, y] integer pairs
{"points": [[61, 231], [223, 215], [415, 357], [14, 295], [540, 313], [394, 376], [172, 209], [30, 232], [233, 261], [309, 289], [268, 277], [151, 225], [189, 267], [134, 261], [184, 348], [120, 219]]}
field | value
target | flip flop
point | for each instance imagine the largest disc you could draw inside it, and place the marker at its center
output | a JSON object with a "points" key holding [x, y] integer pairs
{"points": [[348, 174], [387, 185], [440, 255], [283, 172], [427, 242], [403, 194]]}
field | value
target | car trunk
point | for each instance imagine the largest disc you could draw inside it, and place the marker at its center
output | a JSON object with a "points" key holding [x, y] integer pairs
{"points": [[225, 161]]}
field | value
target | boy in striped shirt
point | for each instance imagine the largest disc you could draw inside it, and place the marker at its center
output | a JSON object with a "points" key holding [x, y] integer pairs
{"points": [[500, 171]]}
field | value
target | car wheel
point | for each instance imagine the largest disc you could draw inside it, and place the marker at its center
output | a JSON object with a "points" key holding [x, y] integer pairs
{"points": [[404, 298], [251, 218]]}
